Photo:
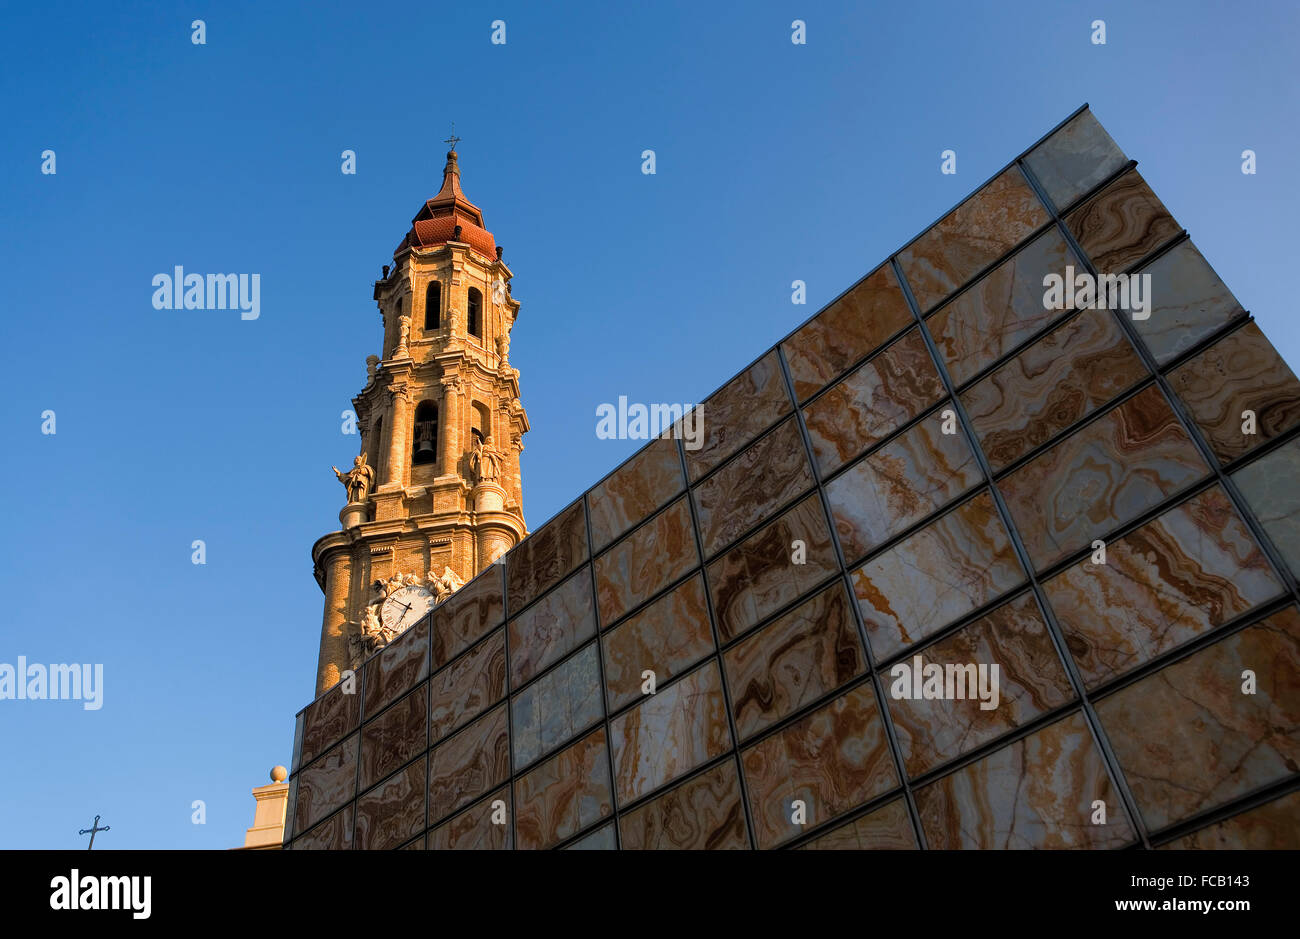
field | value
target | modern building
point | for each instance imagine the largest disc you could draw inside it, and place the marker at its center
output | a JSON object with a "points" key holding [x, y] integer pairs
{"points": [[970, 559]]}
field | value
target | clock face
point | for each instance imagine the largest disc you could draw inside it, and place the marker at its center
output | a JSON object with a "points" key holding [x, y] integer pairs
{"points": [[404, 607]]}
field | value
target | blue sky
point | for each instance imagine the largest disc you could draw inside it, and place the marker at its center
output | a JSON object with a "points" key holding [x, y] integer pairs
{"points": [[775, 162]]}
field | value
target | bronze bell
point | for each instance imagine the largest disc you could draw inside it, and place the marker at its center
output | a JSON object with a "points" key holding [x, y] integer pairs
{"points": [[425, 447]]}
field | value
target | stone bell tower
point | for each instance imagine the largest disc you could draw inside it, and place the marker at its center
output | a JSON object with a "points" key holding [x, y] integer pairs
{"points": [[434, 496]]}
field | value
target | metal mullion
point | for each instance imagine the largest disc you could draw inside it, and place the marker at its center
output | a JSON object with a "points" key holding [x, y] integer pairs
{"points": [[600, 668], [951, 629], [439, 819], [428, 724], [974, 282], [570, 840], [784, 610], [875, 352], [887, 721], [620, 535], [510, 727], [1017, 350], [1129, 164], [662, 593], [1172, 501], [1221, 332], [1260, 451], [473, 803], [1280, 599], [526, 607], [319, 822], [889, 259], [1009, 738], [1024, 153], [664, 788], [717, 651], [1082, 423], [740, 448], [893, 541], [1222, 813], [636, 526], [843, 821], [971, 279], [356, 785], [551, 667], [893, 435], [1212, 636], [1109, 760], [756, 527], [777, 727], [1190, 427]]}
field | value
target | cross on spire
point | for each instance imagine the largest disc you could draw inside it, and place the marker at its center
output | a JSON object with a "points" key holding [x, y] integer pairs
{"points": [[94, 827], [453, 139]]}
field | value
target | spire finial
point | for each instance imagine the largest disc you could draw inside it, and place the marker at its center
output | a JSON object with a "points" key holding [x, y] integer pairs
{"points": [[453, 139]]}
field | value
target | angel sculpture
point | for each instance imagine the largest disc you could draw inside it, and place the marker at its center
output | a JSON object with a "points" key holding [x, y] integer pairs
{"points": [[444, 586]]}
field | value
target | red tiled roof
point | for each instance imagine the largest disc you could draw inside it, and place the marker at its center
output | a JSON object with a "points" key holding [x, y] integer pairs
{"points": [[436, 222]]}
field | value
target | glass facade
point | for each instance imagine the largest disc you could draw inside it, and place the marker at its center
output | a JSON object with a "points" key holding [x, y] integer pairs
{"points": [[941, 469]]}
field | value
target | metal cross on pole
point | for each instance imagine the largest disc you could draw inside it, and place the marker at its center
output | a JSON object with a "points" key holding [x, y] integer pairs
{"points": [[453, 139], [94, 827]]}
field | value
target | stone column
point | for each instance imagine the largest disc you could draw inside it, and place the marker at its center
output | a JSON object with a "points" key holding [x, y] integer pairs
{"points": [[450, 417], [493, 541], [334, 630], [515, 483], [395, 474]]}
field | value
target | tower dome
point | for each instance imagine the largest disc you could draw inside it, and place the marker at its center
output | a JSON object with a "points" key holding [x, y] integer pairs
{"points": [[436, 222]]}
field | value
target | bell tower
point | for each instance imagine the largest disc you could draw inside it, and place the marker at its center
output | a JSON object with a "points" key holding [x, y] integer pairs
{"points": [[434, 496]]}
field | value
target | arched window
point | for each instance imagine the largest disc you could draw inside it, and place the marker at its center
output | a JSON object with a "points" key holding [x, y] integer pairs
{"points": [[395, 332], [433, 306], [377, 446], [474, 311], [479, 423], [425, 449]]}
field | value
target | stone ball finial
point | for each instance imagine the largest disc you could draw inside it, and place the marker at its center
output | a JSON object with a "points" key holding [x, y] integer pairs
{"points": [[279, 774]]}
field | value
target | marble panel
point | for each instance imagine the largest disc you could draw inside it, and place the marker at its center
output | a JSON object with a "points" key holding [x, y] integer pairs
{"points": [[954, 565], [670, 733], [1190, 570], [873, 310], [872, 402]]}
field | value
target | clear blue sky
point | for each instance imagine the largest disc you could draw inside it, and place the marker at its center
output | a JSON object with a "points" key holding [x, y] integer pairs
{"points": [[775, 162]]}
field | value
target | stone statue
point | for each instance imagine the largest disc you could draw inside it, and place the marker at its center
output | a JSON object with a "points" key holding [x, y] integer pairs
{"points": [[358, 480], [444, 586], [370, 625], [373, 636], [485, 461]]}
